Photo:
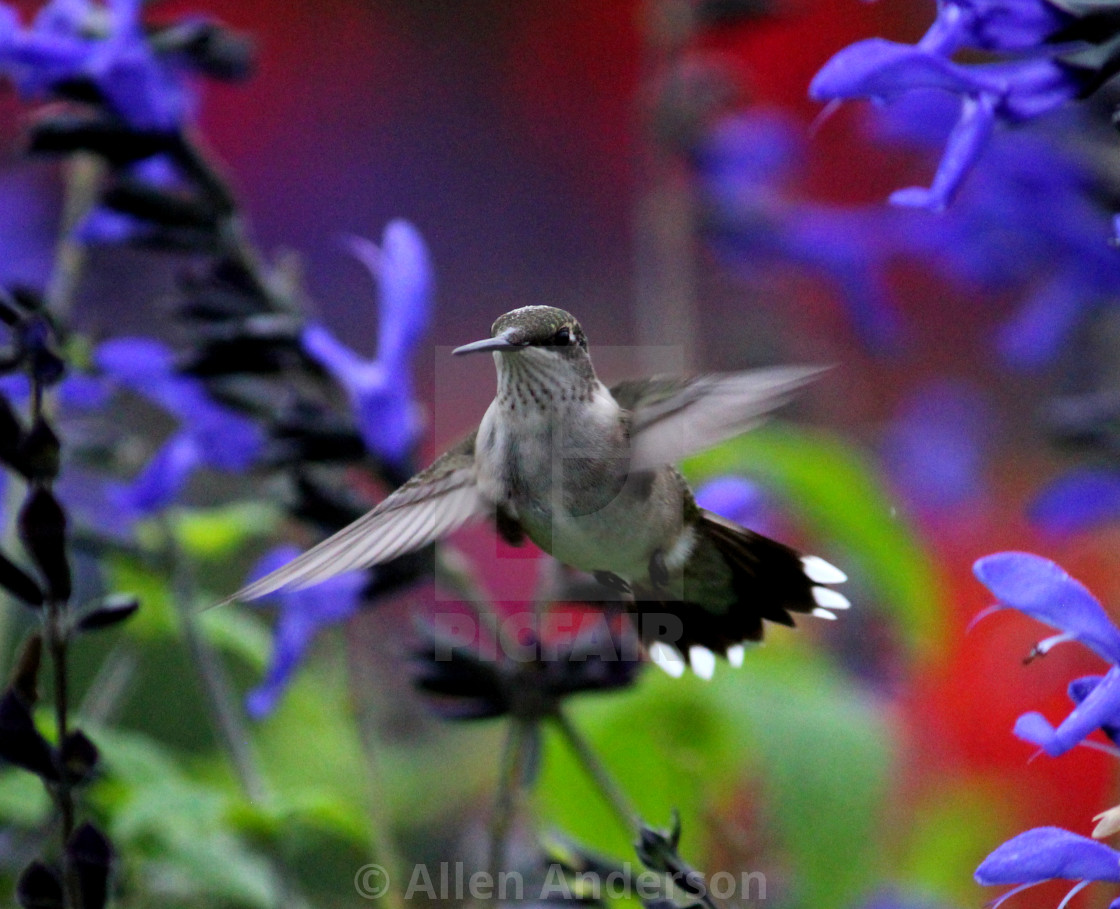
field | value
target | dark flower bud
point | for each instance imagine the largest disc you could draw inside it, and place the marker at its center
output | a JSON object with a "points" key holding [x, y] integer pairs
{"points": [[37, 340], [82, 89], [657, 850], [25, 675], [306, 433], [330, 506], [530, 684], [1092, 66], [240, 355], [20, 742], [78, 757], [209, 47], [89, 855], [19, 584], [42, 528], [108, 137], [39, 887], [11, 435], [40, 452], [110, 611], [161, 207]]}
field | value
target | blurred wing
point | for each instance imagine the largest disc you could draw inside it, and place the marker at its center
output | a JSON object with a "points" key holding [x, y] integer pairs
{"points": [[428, 507], [673, 418]]}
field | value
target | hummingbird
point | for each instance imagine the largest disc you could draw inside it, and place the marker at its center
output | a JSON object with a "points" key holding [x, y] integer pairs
{"points": [[588, 474]]}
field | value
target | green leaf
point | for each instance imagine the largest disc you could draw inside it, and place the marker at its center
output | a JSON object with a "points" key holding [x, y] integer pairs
{"points": [[208, 533], [174, 828], [818, 750], [954, 826], [23, 801], [823, 754], [156, 618], [835, 490]]}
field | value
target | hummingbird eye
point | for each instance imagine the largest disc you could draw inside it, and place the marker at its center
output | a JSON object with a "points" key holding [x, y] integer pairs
{"points": [[562, 338]]}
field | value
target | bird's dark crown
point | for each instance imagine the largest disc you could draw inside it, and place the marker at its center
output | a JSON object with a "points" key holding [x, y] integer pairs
{"points": [[540, 326]]}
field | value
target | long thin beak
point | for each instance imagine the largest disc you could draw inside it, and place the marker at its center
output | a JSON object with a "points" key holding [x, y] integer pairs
{"points": [[498, 343]]}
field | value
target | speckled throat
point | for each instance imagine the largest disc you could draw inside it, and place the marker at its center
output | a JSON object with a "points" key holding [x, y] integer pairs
{"points": [[544, 378]]}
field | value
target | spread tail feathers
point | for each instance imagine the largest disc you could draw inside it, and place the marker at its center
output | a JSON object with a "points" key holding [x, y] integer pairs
{"points": [[769, 581]]}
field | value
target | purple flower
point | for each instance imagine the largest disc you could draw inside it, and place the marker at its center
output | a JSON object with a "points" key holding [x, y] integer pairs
{"points": [[1040, 589], [998, 25], [208, 435], [302, 614], [934, 449], [737, 499], [1078, 500], [1007, 91], [78, 40], [1046, 854], [380, 390], [104, 225], [743, 166]]}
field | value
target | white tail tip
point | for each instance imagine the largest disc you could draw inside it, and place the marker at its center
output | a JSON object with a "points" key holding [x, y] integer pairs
{"points": [[823, 614], [830, 599], [702, 660], [735, 654], [821, 572], [667, 658]]}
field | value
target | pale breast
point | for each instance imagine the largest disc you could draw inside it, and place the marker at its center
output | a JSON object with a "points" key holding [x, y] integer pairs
{"points": [[563, 472]]}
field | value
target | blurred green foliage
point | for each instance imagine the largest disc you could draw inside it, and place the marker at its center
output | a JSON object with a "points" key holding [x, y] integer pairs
{"points": [[785, 766]]}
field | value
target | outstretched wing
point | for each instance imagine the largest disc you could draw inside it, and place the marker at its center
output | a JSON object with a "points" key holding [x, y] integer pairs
{"points": [[428, 507], [673, 418]]}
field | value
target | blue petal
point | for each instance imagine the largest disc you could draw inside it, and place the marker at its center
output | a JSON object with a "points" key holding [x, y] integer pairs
{"points": [[883, 69], [1100, 708], [161, 482], [303, 613], [1043, 324], [735, 498], [404, 275], [934, 449], [965, 143], [134, 361], [1039, 588], [1079, 500], [1046, 853]]}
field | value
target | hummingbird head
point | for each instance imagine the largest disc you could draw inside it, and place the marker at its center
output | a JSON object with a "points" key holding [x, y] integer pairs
{"points": [[539, 345]]}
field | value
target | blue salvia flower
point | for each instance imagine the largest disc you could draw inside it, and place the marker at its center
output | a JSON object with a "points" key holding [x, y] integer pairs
{"points": [[380, 390], [743, 166], [1046, 854], [301, 615], [208, 435], [104, 45], [737, 499], [1033, 221], [1020, 87], [1040, 589], [995, 25], [1081, 499], [107, 226], [934, 448]]}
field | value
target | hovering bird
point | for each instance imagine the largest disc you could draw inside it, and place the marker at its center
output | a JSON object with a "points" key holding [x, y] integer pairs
{"points": [[587, 473]]}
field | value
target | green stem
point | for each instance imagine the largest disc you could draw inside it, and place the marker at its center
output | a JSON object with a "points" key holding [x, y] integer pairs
{"points": [[629, 818], [221, 700], [225, 713], [85, 174], [56, 641], [381, 841], [507, 798]]}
